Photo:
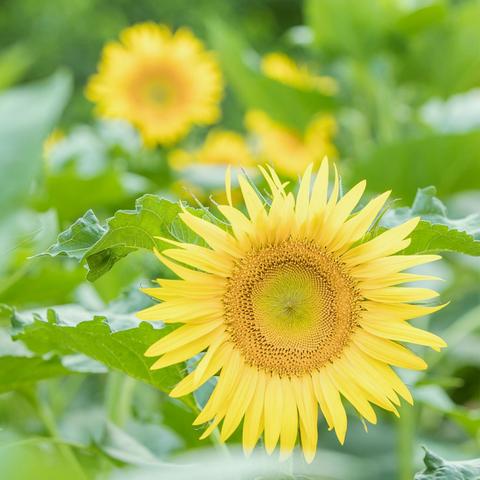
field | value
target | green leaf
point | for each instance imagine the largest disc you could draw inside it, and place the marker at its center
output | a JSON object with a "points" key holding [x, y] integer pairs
{"points": [[120, 446], [127, 231], [436, 468], [77, 239], [130, 230], [27, 115], [116, 340], [19, 367], [436, 232], [348, 26], [451, 162], [296, 108]]}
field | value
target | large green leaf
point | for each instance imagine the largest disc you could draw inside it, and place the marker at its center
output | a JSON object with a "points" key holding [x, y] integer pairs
{"points": [[436, 232], [285, 104], [27, 115], [451, 162], [19, 367], [116, 340], [348, 26], [436, 468]]}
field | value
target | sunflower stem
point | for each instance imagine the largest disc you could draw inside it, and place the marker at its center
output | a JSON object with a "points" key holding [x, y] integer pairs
{"points": [[405, 442], [48, 419], [118, 397]]}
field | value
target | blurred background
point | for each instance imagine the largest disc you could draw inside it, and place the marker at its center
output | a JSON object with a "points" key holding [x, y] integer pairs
{"points": [[390, 89]]}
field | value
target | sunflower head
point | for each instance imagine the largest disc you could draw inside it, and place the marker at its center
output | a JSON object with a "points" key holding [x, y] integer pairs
{"points": [[161, 81], [289, 150], [221, 148], [298, 309]]}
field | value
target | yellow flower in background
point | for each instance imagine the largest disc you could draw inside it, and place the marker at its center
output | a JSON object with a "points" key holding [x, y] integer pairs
{"points": [[51, 141], [163, 82], [297, 310], [284, 69], [289, 151], [221, 147]]}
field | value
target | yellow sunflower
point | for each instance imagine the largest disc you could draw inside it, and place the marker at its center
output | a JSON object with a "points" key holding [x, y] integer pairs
{"points": [[289, 150], [162, 82], [298, 310], [284, 69], [221, 147]]}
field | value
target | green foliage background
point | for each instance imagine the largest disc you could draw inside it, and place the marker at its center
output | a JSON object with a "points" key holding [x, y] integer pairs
{"points": [[77, 398]]}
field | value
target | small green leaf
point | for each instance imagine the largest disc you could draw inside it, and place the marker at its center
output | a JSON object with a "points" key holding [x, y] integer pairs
{"points": [[77, 239], [436, 232], [436, 468], [130, 230], [119, 341], [120, 446]]}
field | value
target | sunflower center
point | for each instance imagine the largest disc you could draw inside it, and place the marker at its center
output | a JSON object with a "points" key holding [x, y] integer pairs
{"points": [[290, 308]]}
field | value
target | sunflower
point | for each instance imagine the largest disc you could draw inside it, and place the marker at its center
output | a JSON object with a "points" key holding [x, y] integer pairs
{"points": [[221, 148], [160, 81], [298, 309], [289, 150], [284, 69]]}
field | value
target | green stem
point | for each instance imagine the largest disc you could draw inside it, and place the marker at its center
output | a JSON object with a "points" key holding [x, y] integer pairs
{"points": [[405, 442], [48, 419], [118, 397]]}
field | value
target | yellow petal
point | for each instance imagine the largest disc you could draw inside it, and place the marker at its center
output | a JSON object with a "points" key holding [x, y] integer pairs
{"points": [[183, 272], [228, 184], [320, 189], [351, 392], [193, 381], [187, 351], [289, 419], [253, 423], [340, 213], [399, 294], [227, 381], [217, 238], [252, 201], [174, 311], [273, 412], [180, 337], [402, 332], [393, 279], [241, 226], [386, 243], [387, 351], [387, 265], [356, 227], [209, 261], [397, 311], [307, 414], [326, 391], [303, 196], [238, 404]]}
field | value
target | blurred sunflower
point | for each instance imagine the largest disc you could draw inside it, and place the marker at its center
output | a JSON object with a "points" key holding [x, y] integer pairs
{"points": [[206, 165], [287, 149], [284, 69], [52, 141], [297, 308], [221, 147], [162, 82]]}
